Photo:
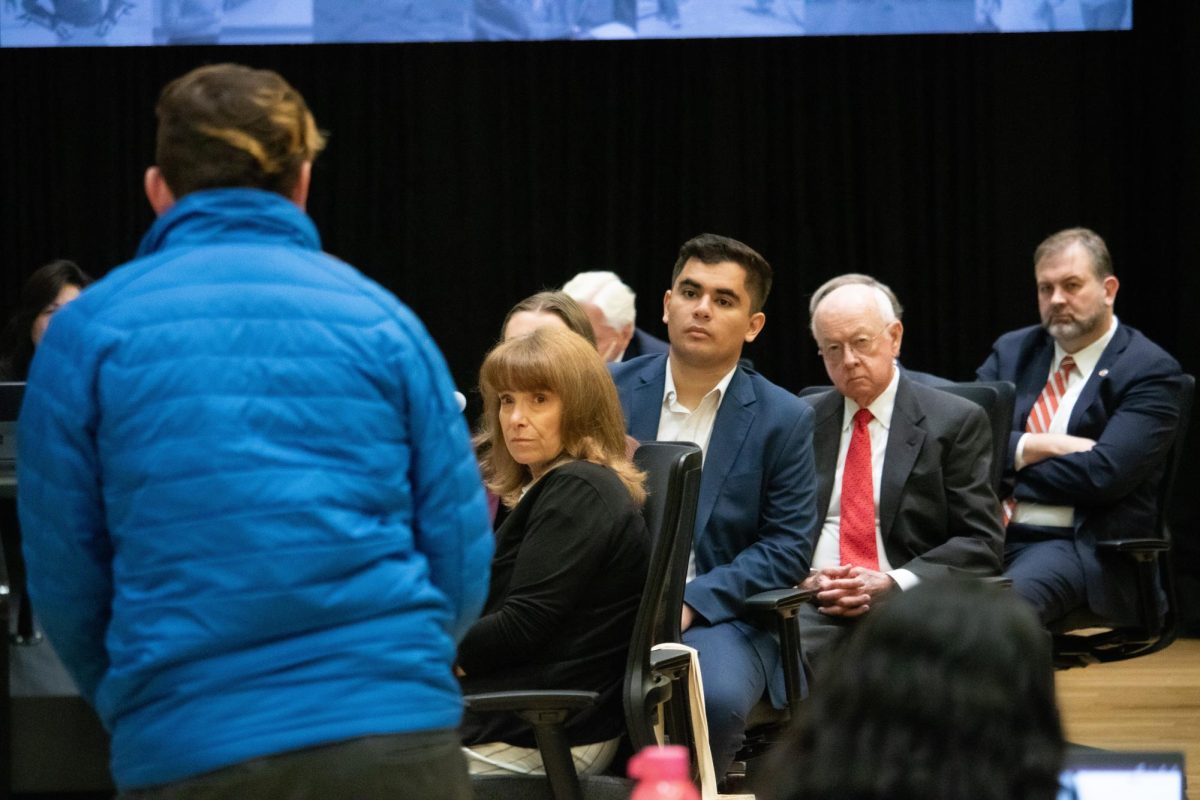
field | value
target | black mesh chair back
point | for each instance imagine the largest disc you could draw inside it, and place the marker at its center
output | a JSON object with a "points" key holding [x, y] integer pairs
{"points": [[998, 399], [673, 489]]}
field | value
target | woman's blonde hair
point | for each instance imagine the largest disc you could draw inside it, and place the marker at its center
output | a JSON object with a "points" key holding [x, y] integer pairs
{"points": [[226, 125], [593, 427]]}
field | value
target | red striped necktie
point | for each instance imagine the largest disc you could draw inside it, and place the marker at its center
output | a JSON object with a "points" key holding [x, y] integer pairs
{"points": [[1043, 412], [856, 526]]}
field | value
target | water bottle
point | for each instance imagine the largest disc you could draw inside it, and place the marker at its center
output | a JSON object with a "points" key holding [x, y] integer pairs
{"points": [[662, 774]]}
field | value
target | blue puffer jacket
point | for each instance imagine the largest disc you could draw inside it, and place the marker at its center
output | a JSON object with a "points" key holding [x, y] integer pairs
{"points": [[252, 518]]}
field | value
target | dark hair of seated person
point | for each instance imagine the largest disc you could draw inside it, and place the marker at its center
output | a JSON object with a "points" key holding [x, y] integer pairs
{"points": [[37, 294], [943, 693]]}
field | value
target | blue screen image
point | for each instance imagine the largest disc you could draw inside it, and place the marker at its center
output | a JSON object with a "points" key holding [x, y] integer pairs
{"points": [[57, 23]]}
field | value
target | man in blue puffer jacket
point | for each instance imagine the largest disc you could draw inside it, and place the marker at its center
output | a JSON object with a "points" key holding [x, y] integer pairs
{"points": [[253, 523]]}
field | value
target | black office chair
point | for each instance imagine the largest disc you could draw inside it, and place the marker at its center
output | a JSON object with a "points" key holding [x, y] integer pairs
{"points": [[673, 486], [766, 725], [997, 399], [1082, 637]]}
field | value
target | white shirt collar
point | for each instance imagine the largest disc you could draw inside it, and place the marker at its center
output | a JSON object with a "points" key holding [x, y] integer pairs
{"points": [[670, 395], [1086, 358], [881, 407]]}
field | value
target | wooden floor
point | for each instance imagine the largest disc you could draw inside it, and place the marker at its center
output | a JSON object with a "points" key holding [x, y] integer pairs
{"points": [[1149, 703]]}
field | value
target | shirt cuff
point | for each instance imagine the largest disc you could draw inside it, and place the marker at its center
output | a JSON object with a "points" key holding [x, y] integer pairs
{"points": [[1019, 455], [903, 578]]}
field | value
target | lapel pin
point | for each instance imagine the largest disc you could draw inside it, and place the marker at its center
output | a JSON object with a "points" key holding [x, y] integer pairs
{"points": [[1103, 372]]}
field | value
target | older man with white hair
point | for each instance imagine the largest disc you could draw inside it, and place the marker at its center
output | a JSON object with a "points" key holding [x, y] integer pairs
{"points": [[903, 488], [609, 304]]}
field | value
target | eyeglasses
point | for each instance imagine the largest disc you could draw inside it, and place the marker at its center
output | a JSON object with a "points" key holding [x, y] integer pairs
{"points": [[862, 345]]}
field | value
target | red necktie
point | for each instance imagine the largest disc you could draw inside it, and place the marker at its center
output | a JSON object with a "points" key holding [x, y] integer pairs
{"points": [[856, 530], [1043, 412]]}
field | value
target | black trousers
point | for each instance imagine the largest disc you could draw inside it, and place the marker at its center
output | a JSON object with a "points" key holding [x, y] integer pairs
{"points": [[425, 764]]}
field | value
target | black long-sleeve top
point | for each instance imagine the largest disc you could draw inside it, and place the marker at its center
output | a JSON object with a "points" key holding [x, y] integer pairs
{"points": [[567, 578]]}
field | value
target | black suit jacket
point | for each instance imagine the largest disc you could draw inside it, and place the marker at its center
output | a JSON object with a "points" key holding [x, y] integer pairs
{"points": [[938, 514], [1130, 407], [566, 580]]}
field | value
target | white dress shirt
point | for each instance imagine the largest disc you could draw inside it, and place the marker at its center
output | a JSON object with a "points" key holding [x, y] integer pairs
{"points": [[828, 550], [677, 423], [1085, 364]]}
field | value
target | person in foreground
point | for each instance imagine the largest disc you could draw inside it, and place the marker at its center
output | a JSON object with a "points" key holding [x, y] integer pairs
{"points": [[48, 289], [944, 693], [1096, 412], [903, 473], [755, 518], [571, 556], [254, 526]]}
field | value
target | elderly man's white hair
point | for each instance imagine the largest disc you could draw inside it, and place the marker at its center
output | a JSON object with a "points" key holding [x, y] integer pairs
{"points": [[887, 312], [608, 293]]}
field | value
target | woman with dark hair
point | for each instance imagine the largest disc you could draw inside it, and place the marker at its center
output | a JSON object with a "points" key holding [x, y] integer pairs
{"points": [[571, 555], [48, 289], [946, 692]]}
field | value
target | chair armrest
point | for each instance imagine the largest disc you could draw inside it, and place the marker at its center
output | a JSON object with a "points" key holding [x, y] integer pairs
{"points": [[667, 660], [785, 605], [784, 602], [546, 711], [524, 700], [1134, 546]]}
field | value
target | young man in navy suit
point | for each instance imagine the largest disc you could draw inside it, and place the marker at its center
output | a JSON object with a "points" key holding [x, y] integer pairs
{"points": [[755, 520], [1086, 464]]}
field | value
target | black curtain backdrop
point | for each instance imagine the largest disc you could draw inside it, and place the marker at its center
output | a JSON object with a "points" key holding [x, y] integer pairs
{"points": [[466, 176]]}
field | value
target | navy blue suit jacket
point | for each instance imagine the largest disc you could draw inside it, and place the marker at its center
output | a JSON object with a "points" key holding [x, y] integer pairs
{"points": [[756, 517], [1130, 407], [643, 344]]}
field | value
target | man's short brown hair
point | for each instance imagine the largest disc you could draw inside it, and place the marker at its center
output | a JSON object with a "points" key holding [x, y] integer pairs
{"points": [[1088, 239], [709, 248], [227, 125]]}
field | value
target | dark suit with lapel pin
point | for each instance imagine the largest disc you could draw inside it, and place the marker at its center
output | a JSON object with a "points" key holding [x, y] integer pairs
{"points": [[755, 519], [938, 514], [1130, 407]]}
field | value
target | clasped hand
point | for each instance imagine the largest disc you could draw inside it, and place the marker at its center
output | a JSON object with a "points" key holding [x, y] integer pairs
{"points": [[847, 591]]}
